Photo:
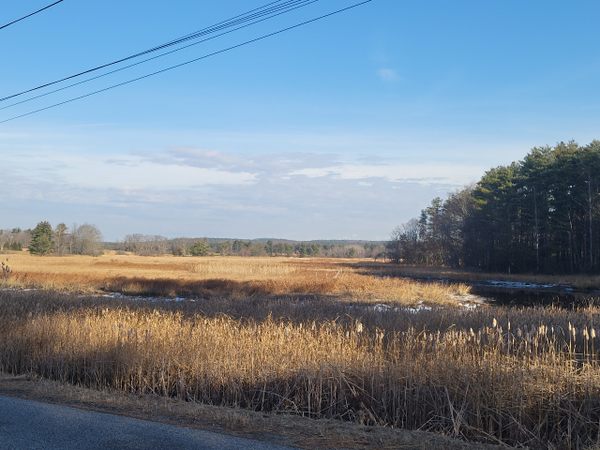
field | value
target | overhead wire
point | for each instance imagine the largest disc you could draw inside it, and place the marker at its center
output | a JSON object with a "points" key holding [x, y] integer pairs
{"points": [[268, 8], [6, 25], [224, 50], [129, 66]]}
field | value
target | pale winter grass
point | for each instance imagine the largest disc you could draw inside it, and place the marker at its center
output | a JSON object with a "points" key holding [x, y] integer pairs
{"points": [[522, 377], [234, 277]]}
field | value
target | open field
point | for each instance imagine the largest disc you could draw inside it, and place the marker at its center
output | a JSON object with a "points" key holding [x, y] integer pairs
{"points": [[513, 376], [301, 337], [231, 277]]}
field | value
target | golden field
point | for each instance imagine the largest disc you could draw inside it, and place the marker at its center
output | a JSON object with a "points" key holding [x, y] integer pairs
{"points": [[513, 376], [231, 277], [302, 336]]}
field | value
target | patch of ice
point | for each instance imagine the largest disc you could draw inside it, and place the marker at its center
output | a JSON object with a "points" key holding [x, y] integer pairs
{"points": [[520, 284], [382, 307], [18, 289], [470, 301], [417, 309], [468, 305]]}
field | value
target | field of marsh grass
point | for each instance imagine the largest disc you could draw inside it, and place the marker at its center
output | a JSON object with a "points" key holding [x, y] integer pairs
{"points": [[232, 277], [499, 375], [302, 336]]}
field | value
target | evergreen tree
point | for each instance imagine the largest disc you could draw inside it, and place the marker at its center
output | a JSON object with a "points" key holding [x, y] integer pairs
{"points": [[41, 239], [199, 248], [541, 214]]}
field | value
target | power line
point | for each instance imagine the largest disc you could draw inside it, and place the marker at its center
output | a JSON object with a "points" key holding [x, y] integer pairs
{"points": [[268, 8], [218, 52], [129, 66], [30, 14]]}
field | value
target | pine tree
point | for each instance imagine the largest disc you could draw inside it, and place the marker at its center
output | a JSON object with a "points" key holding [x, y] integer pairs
{"points": [[200, 248], [41, 239]]}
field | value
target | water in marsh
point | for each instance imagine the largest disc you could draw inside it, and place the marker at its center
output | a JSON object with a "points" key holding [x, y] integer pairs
{"points": [[511, 293]]}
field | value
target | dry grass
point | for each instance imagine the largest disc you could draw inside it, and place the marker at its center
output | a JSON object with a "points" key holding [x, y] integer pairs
{"points": [[263, 334], [281, 429], [522, 377], [233, 277]]}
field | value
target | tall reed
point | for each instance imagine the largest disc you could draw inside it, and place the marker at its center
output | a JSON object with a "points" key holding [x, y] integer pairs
{"points": [[518, 376]]}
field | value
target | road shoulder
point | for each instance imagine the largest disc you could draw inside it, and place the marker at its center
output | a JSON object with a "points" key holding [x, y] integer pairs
{"points": [[285, 430]]}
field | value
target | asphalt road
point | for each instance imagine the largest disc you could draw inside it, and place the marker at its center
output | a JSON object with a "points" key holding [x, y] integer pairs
{"points": [[26, 424]]}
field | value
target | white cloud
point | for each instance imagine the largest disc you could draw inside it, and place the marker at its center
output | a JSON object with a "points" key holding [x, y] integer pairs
{"points": [[451, 174], [133, 173], [387, 74], [196, 191], [67, 176]]}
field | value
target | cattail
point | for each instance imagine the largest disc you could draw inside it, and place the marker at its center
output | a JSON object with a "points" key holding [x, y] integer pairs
{"points": [[359, 327]]}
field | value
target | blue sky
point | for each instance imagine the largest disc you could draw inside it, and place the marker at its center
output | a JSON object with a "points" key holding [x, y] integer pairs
{"points": [[340, 129]]}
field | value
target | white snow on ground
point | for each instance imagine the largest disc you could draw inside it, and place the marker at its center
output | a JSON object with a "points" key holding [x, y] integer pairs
{"points": [[118, 295], [13, 289], [468, 305], [419, 307]]}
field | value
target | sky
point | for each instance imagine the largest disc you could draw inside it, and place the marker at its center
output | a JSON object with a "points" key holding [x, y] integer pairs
{"points": [[340, 129]]}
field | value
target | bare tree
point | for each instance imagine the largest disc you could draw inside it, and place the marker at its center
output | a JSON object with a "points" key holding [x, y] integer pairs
{"points": [[60, 239], [86, 240], [146, 245]]}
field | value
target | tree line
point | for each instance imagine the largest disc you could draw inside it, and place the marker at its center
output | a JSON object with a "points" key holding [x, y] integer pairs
{"points": [[86, 239], [141, 244], [61, 240], [540, 214], [14, 239]]}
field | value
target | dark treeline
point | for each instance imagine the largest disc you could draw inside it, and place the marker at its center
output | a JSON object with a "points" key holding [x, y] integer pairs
{"points": [[541, 214]]}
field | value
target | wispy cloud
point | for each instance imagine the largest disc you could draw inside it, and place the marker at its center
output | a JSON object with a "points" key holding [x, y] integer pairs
{"points": [[71, 173], [330, 184], [436, 173], [268, 164], [387, 74]]}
